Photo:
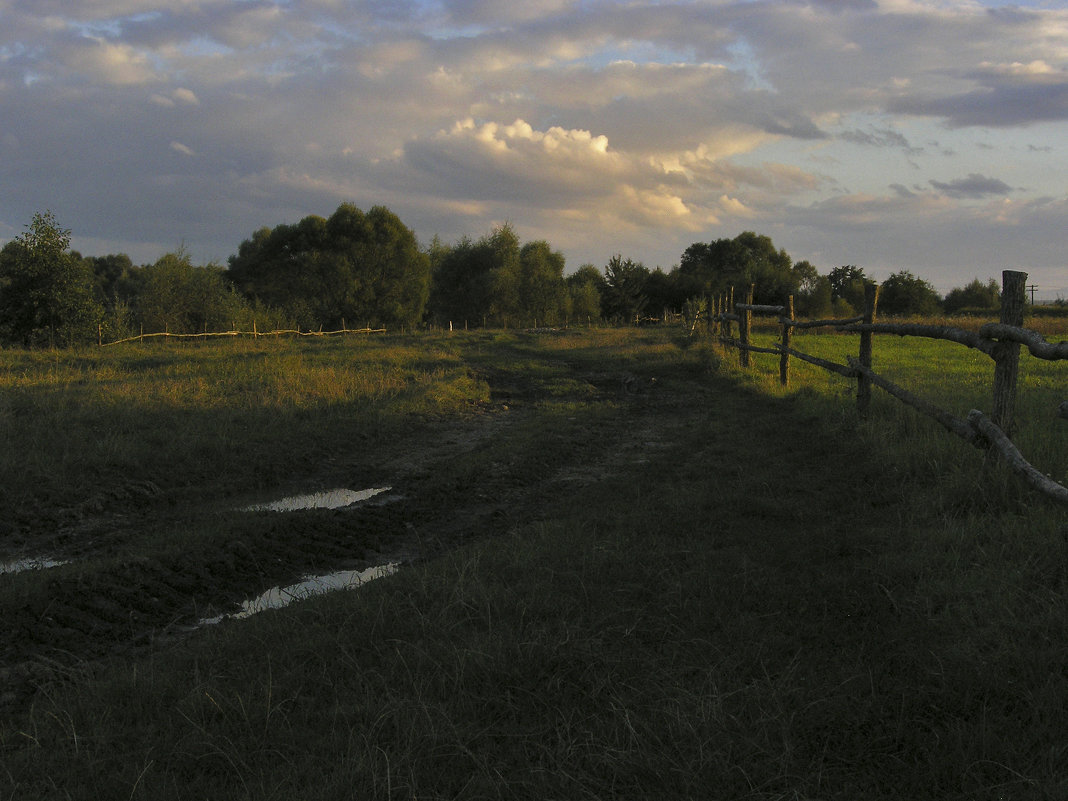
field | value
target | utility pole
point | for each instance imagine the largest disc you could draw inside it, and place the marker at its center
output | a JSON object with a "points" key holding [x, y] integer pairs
{"points": [[1031, 288]]}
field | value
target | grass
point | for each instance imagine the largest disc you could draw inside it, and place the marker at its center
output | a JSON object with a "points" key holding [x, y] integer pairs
{"points": [[239, 413], [762, 596]]}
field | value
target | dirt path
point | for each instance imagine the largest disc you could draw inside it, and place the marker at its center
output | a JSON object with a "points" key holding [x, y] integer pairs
{"points": [[451, 482]]}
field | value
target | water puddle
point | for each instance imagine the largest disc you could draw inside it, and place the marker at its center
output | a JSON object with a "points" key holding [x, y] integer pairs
{"points": [[279, 597], [32, 563], [330, 499]]}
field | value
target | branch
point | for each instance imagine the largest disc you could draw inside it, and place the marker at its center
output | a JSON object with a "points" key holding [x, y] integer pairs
{"points": [[820, 323], [1034, 341], [760, 309], [834, 367], [947, 420], [1011, 454], [958, 335]]}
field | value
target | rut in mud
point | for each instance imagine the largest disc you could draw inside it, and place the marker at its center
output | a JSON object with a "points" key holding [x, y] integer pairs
{"points": [[452, 482]]}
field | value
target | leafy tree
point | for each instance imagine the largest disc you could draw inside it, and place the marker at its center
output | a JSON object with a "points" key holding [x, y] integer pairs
{"points": [[118, 285], [479, 281], [624, 295], [46, 292], [748, 259], [352, 266], [506, 304], [543, 293], [847, 289], [974, 295], [815, 300], [585, 288], [460, 288], [904, 293], [662, 293], [184, 299], [117, 279]]}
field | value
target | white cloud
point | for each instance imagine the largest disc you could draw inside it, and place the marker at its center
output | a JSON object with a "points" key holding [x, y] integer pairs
{"points": [[100, 61], [595, 124]]}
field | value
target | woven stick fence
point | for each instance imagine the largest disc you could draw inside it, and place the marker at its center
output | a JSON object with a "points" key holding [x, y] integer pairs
{"points": [[254, 333], [1000, 341]]}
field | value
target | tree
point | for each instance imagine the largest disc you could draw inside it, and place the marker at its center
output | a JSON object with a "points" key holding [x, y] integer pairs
{"points": [[847, 289], [748, 259], [46, 292], [975, 296], [815, 300], [184, 299], [118, 285], [585, 288], [543, 293], [352, 266], [662, 293], [624, 296], [479, 281], [905, 294]]}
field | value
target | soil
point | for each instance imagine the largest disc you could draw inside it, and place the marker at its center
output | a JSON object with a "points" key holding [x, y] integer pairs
{"points": [[452, 481]]}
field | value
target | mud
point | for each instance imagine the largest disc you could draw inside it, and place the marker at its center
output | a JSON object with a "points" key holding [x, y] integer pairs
{"points": [[126, 587]]}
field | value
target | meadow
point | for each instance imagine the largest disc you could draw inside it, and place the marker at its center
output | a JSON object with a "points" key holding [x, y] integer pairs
{"points": [[629, 570]]}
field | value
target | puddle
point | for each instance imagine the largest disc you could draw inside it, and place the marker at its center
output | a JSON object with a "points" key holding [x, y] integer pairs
{"points": [[33, 563], [330, 499], [278, 597]]}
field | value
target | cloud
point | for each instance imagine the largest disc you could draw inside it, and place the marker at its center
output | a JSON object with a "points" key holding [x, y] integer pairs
{"points": [[595, 124], [100, 61], [875, 137], [178, 147], [974, 186]]}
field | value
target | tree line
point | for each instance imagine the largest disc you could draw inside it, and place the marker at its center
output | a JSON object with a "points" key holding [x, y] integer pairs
{"points": [[356, 268]]}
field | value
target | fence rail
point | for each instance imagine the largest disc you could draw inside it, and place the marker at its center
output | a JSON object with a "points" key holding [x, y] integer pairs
{"points": [[1000, 341], [253, 333]]}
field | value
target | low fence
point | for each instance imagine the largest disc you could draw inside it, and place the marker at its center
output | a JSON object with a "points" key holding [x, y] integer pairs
{"points": [[1000, 341], [254, 333]]}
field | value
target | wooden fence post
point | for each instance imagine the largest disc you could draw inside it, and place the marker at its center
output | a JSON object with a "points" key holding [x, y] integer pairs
{"points": [[1007, 354], [871, 303], [787, 336], [728, 332], [744, 324]]}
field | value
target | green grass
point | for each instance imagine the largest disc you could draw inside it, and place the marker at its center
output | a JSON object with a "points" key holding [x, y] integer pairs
{"points": [[765, 597], [237, 413]]}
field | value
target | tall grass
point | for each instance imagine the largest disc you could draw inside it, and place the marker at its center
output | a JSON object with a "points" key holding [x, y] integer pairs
{"points": [[173, 414], [722, 590]]}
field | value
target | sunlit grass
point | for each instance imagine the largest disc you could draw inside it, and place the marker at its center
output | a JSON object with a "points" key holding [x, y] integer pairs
{"points": [[169, 412], [767, 597]]}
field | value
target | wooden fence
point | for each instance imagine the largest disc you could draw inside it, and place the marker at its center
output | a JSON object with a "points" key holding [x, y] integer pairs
{"points": [[254, 333], [1000, 341]]}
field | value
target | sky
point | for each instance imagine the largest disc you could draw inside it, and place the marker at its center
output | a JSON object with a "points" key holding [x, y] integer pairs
{"points": [[890, 134]]}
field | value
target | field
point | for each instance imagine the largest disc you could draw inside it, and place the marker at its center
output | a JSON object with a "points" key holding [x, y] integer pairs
{"points": [[627, 570]]}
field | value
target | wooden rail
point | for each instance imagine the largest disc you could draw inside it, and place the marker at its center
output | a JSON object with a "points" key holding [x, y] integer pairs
{"points": [[1000, 341], [253, 333]]}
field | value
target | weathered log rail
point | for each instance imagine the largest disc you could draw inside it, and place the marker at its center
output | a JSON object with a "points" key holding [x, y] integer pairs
{"points": [[1000, 341]]}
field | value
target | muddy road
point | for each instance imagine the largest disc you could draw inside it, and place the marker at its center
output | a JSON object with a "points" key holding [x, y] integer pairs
{"points": [[145, 565]]}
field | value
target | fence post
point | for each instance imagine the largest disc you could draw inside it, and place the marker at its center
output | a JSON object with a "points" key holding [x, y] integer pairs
{"points": [[728, 300], [744, 325], [871, 303], [1007, 354], [787, 336]]}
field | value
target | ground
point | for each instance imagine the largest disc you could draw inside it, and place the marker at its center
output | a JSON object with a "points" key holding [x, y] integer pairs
{"points": [[158, 561]]}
